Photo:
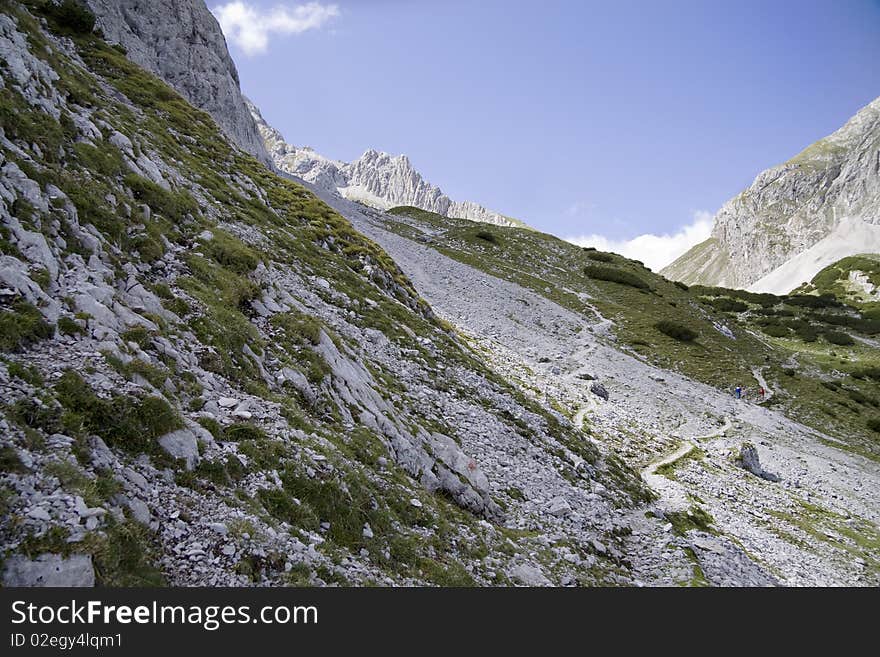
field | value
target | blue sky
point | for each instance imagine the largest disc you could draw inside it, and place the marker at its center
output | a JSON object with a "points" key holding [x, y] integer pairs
{"points": [[581, 118]]}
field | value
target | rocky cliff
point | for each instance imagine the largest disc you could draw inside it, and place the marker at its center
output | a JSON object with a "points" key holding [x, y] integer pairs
{"points": [[376, 179], [790, 208], [181, 42]]}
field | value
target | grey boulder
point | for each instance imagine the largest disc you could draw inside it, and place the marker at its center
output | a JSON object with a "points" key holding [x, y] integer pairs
{"points": [[50, 570], [182, 444]]}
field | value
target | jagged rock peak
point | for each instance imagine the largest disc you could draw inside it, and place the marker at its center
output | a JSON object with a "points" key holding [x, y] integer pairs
{"points": [[181, 42], [376, 178]]}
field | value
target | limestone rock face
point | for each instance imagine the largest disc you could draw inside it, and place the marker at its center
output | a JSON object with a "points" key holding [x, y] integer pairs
{"points": [[376, 179], [181, 42], [50, 570], [791, 207]]}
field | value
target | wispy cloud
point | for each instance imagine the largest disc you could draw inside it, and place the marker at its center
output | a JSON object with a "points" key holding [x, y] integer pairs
{"points": [[656, 251], [250, 27], [579, 208]]}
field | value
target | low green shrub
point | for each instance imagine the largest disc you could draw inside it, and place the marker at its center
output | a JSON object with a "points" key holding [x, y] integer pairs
{"points": [[676, 331], [812, 301], [600, 256], [68, 326], [231, 253], [9, 460], [776, 330], [241, 431], [27, 374], [140, 335], [727, 305], [871, 372], [213, 427], [174, 206], [129, 423], [838, 337], [22, 326], [69, 16], [615, 275], [487, 236]]}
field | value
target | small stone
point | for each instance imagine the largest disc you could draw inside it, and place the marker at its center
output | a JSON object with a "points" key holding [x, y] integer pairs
{"points": [[139, 511], [599, 390], [39, 513], [559, 507], [416, 503], [528, 575]]}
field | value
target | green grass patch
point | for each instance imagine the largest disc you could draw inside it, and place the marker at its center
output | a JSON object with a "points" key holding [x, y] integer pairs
{"points": [[22, 326]]}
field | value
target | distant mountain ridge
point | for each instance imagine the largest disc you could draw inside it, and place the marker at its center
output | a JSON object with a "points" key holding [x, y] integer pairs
{"points": [[376, 179], [822, 195]]}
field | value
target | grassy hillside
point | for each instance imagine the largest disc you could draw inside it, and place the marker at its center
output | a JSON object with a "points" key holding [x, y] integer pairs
{"points": [[854, 280], [817, 352]]}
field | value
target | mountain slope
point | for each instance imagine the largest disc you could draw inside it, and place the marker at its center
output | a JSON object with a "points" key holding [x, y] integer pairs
{"points": [[210, 378], [591, 347], [790, 208], [376, 179]]}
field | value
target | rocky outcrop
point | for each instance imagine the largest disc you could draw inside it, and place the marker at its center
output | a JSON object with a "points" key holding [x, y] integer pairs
{"points": [[181, 42], [790, 208], [376, 179], [748, 460]]}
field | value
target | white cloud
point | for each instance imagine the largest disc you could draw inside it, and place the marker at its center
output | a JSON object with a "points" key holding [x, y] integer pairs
{"points": [[656, 251], [250, 27]]}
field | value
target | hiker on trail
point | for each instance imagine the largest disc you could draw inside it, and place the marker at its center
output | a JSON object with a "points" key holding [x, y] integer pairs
{"points": [[738, 391], [761, 390]]}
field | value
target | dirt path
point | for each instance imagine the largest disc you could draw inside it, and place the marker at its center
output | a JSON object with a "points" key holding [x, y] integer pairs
{"points": [[660, 483], [683, 450], [759, 377]]}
